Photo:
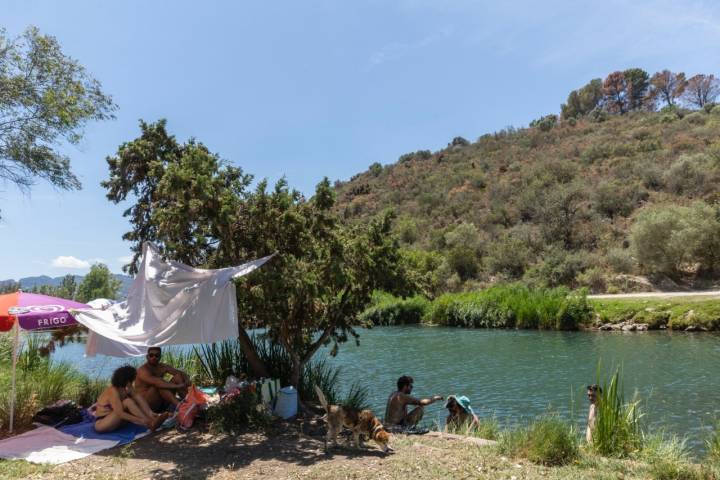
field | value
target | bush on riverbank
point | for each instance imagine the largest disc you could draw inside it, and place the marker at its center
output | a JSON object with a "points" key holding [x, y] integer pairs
{"points": [[40, 382], [388, 310], [546, 441], [213, 363], [501, 306]]}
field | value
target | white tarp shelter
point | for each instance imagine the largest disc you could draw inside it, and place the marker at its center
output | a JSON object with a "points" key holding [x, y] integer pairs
{"points": [[169, 303]]}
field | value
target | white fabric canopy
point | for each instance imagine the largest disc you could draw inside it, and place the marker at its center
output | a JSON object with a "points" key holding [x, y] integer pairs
{"points": [[169, 303]]}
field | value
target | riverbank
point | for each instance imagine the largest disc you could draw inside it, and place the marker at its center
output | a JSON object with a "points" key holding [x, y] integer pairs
{"points": [[685, 313], [293, 455], [517, 306]]}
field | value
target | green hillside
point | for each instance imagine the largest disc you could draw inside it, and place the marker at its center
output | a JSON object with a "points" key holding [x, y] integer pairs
{"points": [[594, 201]]}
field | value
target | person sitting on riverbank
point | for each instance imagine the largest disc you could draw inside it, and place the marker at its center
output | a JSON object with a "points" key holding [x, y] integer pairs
{"points": [[120, 403], [151, 384], [396, 413], [461, 417], [592, 393]]}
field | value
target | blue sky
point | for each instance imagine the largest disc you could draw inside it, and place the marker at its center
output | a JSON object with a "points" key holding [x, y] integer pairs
{"points": [[320, 88]]}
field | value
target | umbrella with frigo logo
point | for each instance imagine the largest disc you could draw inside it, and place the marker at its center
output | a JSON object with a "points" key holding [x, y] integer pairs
{"points": [[32, 311]]}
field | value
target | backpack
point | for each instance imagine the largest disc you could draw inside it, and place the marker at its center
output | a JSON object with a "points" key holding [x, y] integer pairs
{"points": [[62, 412]]}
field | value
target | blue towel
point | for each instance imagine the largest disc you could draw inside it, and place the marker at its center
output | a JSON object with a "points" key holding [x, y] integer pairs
{"points": [[86, 429]]}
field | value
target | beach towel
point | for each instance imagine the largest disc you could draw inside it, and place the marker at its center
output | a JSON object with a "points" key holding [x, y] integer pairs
{"points": [[72, 442], [48, 445], [169, 303]]}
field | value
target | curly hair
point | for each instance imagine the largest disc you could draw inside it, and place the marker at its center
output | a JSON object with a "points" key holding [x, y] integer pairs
{"points": [[123, 376]]}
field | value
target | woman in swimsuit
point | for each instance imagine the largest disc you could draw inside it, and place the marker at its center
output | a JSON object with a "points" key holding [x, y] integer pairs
{"points": [[119, 403]]}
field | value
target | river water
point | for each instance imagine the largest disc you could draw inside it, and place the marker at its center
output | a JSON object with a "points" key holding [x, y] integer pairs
{"points": [[516, 375]]}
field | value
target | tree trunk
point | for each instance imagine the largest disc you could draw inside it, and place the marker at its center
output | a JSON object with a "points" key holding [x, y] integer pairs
{"points": [[257, 366], [296, 372]]}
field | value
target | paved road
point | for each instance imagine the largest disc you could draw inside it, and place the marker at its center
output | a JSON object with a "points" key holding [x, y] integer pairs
{"points": [[706, 294]]}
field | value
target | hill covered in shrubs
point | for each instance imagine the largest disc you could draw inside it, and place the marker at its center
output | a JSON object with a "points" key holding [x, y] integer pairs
{"points": [[619, 188]]}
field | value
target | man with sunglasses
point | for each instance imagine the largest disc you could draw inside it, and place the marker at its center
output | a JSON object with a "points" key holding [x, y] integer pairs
{"points": [[151, 384], [396, 413]]}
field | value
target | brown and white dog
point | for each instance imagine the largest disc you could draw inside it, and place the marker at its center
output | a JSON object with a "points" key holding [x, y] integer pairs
{"points": [[360, 422]]}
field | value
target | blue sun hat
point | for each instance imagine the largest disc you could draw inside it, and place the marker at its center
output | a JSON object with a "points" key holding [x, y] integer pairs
{"points": [[461, 400]]}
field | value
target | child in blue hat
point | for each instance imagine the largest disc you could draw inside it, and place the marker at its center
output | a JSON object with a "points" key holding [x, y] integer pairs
{"points": [[460, 414]]}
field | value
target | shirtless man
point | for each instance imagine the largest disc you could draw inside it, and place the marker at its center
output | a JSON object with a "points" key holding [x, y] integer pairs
{"points": [[150, 382], [592, 393], [396, 411]]}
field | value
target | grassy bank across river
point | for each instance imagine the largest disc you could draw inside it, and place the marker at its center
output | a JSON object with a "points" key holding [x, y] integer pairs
{"points": [[691, 313], [518, 306]]}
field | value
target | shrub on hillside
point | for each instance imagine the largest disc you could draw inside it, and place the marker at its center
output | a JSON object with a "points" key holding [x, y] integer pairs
{"points": [[508, 256], [545, 123], [674, 239], [621, 260], [614, 198], [592, 278], [375, 169], [689, 175], [557, 267], [408, 230]]}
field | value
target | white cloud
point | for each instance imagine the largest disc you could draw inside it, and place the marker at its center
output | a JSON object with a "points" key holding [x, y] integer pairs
{"points": [[395, 50], [70, 262], [125, 260]]}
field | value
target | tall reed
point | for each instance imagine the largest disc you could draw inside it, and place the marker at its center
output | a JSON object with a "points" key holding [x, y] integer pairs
{"points": [[617, 429], [511, 306]]}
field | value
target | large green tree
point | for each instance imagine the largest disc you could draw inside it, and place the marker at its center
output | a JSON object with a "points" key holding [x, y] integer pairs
{"points": [[199, 211], [638, 82], [324, 273], [186, 198], [46, 99], [98, 283], [583, 101]]}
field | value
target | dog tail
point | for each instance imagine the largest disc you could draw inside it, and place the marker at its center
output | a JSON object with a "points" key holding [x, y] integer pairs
{"points": [[321, 397]]}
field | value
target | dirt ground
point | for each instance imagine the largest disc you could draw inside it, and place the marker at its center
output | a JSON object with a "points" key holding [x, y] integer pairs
{"points": [[198, 454], [289, 454]]}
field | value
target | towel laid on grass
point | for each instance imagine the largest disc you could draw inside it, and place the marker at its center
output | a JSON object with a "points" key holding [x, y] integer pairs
{"points": [[53, 446]]}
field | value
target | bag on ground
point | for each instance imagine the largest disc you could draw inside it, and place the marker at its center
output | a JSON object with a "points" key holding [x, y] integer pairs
{"points": [[62, 412], [190, 407]]}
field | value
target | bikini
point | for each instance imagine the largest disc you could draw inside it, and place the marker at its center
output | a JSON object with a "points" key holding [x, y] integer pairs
{"points": [[106, 406]]}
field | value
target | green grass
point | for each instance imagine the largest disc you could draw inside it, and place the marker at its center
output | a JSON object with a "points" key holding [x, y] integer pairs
{"points": [[501, 306], [489, 429], [673, 313], [17, 469], [548, 440]]}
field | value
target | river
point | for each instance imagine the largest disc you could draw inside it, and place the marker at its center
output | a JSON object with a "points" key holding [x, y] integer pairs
{"points": [[516, 375]]}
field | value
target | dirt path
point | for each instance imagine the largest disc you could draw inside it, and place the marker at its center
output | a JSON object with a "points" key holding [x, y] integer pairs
{"points": [[710, 294]]}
